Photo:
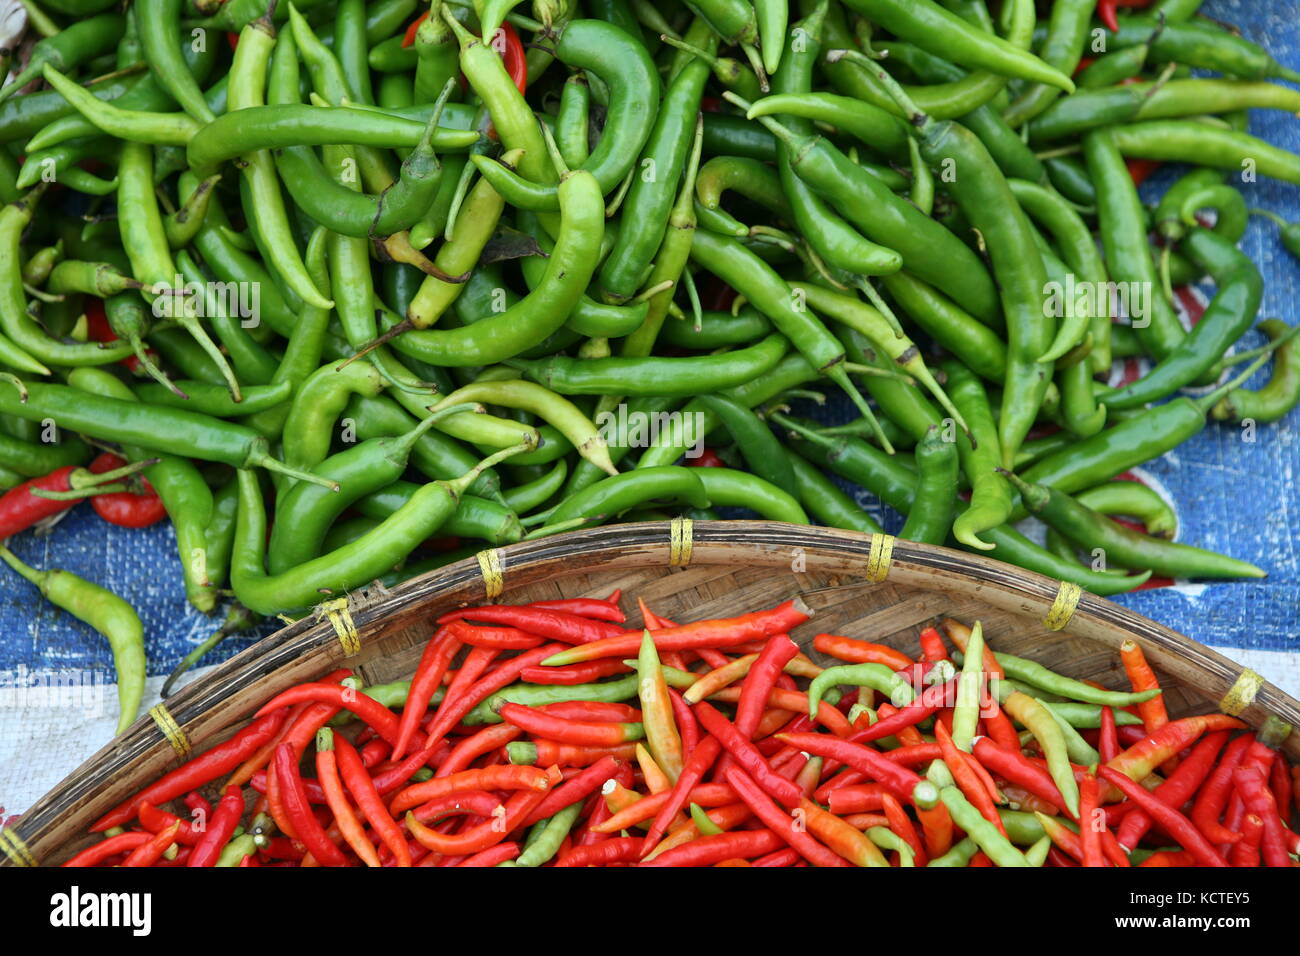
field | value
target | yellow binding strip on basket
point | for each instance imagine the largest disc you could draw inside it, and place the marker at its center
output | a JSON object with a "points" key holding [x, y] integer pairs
{"points": [[1242, 694], [171, 730], [15, 848], [1067, 599], [880, 557], [494, 581], [681, 542], [340, 618]]}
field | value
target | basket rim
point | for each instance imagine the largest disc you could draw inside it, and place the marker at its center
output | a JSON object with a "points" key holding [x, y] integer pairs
{"points": [[643, 544]]}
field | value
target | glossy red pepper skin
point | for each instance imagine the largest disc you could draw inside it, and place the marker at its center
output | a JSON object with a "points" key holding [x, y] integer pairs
{"points": [[435, 660], [601, 610], [126, 509], [203, 769], [383, 720], [220, 827], [1169, 819], [20, 509], [98, 853], [544, 622], [306, 827], [722, 632]]}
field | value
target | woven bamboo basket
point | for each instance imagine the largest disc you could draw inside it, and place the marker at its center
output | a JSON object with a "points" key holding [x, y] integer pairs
{"points": [[869, 586]]}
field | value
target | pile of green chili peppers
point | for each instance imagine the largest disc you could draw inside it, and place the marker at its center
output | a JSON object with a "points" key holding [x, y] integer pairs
{"points": [[382, 273]]}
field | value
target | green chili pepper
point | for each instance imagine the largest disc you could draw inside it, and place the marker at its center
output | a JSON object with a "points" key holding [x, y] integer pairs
{"points": [[1124, 546], [73, 45], [350, 566], [105, 612], [303, 517], [930, 517], [876, 676], [726, 487], [605, 499], [1272, 402], [824, 500], [937, 31], [990, 502]]}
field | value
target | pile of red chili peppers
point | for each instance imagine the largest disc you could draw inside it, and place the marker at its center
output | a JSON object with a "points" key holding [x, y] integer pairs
{"points": [[549, 734]]}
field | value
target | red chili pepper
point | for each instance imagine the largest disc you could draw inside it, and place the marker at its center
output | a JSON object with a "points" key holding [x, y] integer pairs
{"points": [[1252, 785], [574, 673], [601, 610], [367, 798], [707, 458], [345, 818], [757, 798], [496, 638], [760, 681], [408, 40], [151, 851], [1089, 834], [1281, 785], [201, 770], [450, 712], [1014, 767], [1142, 678], [1142, 759], [1245, 852], [746, 755], [437, 657], [579, 755], [706, 752], [619, 850], [220, 827], [476, 745], [106, 849], [687, 724], [857, 651], [154, 820], [1166, 817], [1107, 11], [876, 766], [126, 509], [721, 632], [493, 855], [368, 709], [555, 625], [902, 825], [578, 787], [857, 798], [967, 780], [1180, 787], [505, 777], [512, 54], [927, 703], [20, 509], [306, 828], [1141, 169], [708, 850], [933, 648], [581, 732]]}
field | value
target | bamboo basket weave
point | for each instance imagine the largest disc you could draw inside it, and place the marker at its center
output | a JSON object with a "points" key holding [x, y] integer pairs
{"points": [[868, 586]]}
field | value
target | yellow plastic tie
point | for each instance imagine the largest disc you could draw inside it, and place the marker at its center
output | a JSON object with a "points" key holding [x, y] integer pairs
{"points": [[15, 848], [1067, 599], [494, 581], [880, 557], [340, 618], [681, 542], [171, 730], [1242, 693]]}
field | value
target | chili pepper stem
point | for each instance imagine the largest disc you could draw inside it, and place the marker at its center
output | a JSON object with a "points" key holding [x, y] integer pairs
{"points": [[840, 376], [26, 570], [1207, 402]]}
